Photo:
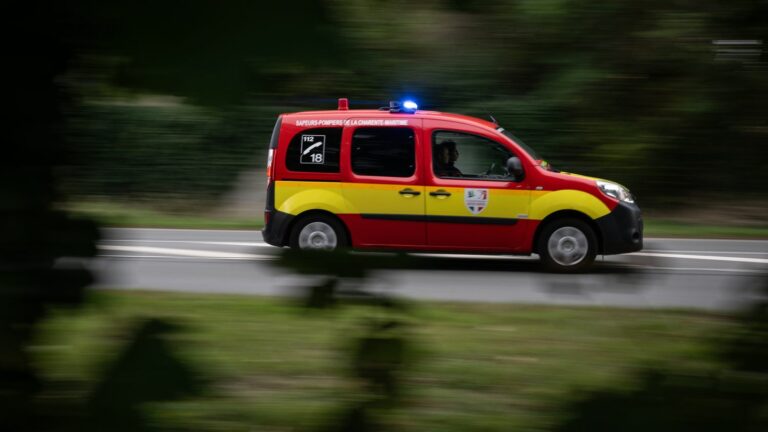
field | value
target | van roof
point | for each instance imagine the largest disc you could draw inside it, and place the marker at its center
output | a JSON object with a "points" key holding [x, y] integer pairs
{"points": [[370, 113]]}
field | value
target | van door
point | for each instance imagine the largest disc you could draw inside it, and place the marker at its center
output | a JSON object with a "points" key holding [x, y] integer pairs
{"points": [[383, 182], [472, 203]]}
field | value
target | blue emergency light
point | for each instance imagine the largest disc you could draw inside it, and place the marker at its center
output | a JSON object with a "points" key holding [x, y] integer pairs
{"points": [[407, 106], [410, 105]]}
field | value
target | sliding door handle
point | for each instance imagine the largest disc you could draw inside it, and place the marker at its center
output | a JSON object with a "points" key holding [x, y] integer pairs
{"points": [[409, 192], [440, 193]]}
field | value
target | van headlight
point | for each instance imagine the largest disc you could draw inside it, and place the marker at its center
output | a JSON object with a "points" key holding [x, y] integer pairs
{"points": [[615, 190]]}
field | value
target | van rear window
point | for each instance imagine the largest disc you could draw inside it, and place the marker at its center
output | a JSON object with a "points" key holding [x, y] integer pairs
{"points": [[314, 150]]}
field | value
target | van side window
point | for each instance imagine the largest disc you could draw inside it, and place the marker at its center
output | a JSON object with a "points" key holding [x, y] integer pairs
{"points": [[384, 151], [468, 156], [314, 150]]}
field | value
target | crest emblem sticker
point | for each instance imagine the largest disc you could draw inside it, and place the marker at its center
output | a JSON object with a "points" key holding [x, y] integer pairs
{"points": [[476, 200]]}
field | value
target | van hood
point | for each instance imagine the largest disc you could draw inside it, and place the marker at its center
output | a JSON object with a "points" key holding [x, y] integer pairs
{"points": [[587, 177]]}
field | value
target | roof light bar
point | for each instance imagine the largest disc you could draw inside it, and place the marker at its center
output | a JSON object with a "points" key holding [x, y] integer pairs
{"points": [[408, 107]]}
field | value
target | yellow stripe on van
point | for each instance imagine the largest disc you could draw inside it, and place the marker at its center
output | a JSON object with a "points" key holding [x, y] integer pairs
{"points": [[384, 198], [296, 197], [502, 203]]}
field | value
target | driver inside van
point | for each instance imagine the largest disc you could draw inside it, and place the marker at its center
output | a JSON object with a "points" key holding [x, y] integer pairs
{"points": [[445, 155]]}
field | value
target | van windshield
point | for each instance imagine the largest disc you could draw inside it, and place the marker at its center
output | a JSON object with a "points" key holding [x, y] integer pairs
{"points": [[526, 148], [531, 152]]}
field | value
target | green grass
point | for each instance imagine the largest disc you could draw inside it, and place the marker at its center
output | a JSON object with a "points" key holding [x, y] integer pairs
{"points": [[117, 215], [274, 366]]}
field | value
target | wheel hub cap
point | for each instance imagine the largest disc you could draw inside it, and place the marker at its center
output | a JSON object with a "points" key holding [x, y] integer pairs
{"points": [[568, 246], [318, 236]]}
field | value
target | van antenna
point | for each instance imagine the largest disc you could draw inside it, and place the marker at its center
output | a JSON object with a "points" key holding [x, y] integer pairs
{"points": [[493, 119]]}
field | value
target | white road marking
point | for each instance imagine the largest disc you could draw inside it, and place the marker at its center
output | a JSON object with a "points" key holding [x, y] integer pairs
{"points": [[231, 255], [732, 240], [705, 252], [172, 253], [178, 257], [702, 257], [262, 244], [247, 244], [183, 252]]}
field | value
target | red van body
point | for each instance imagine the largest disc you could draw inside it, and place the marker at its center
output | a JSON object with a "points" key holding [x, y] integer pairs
{"points": [[429, 181]]}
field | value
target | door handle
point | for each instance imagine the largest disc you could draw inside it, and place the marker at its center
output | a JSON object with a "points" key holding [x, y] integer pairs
{"points": [[440, 193], [409, 191]]}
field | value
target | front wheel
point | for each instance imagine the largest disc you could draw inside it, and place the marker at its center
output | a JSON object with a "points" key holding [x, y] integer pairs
{"points": [[319, 233], [567, 246]]}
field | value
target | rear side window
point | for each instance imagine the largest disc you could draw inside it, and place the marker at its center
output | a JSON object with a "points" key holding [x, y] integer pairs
{"points": [[387, 152], [314, 150]]}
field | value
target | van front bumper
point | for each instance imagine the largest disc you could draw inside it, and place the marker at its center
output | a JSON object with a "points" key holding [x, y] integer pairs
{"points": [[621, 230], [275, 232]]}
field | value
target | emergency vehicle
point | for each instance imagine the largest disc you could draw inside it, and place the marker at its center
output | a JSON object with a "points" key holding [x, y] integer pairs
{"points": [[403, 179]]}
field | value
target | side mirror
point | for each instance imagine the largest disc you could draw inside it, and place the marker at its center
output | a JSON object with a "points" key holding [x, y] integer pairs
{"points": [[515, 168]]}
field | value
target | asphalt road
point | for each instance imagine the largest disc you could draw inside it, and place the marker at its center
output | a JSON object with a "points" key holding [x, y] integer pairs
{"points": [[668, 273]]}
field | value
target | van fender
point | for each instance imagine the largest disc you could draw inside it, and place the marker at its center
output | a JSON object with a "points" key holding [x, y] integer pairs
{"points": [[545, 203], [325, 198]]}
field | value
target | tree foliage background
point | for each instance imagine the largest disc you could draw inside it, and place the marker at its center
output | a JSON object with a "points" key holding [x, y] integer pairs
{"points": [[173, 99]]}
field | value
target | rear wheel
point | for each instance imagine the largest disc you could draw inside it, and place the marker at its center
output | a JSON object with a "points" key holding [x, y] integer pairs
{"points": [[567, 246], [318, 232]]}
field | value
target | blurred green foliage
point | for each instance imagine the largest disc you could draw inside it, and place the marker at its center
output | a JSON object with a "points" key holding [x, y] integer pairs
{"points": [[44, 254], [159, 150], [665, 97], [733, 397], [272, 365]]}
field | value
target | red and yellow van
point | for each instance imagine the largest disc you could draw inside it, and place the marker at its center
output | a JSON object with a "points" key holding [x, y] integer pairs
{"points": [[404, 179]]}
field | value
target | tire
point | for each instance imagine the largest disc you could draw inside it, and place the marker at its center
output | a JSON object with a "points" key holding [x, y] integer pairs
{"points": [[318, 232], [567, 245]]}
